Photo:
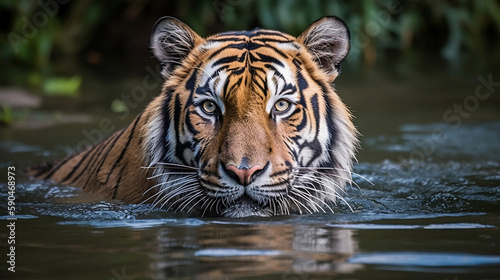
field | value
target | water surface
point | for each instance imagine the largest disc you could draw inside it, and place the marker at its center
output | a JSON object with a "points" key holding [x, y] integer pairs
{"points": [[425, 203]]}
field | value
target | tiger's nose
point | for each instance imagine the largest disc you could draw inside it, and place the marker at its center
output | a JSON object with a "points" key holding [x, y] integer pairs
{"points": [[244, 175]]}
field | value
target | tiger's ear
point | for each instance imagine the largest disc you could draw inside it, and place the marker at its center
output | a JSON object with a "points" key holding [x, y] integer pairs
{"points": [[328, 40], [171, 42]]}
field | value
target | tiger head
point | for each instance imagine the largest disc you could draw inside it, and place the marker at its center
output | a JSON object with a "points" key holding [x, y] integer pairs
{"points": [[248, 122]]}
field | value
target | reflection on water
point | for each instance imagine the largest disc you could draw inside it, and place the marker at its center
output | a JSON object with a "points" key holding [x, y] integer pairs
{"points": [[253, 250]]}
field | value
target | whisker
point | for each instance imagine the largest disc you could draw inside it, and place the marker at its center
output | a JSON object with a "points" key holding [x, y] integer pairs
{"points": [[320, 191], [340, 197], [168, 164], [321, 181], [327, 176], [277, 202], [206, 208], [189, 186], [217, 206], [171, 173], [170, 182], [198, 202], [329, 180], [339, 169], [168, 196], [163, 190], [181, 199], [273, 204], [297, 201], [189, 200], [211, 204], [346, 203], [356, 174], [300, 194], [298, 207], [308, 197], [332, 191], [287, 204], [282, 205], [314, 168]]}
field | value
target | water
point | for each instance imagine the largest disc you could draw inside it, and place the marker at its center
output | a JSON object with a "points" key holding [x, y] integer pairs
{"points": [[425, 203]]}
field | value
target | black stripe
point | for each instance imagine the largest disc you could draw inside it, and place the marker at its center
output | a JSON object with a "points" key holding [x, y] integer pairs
{"points": [[237, 45], [59, 165], [87, 152], [146, 121], [332, 128], [315, 109], [179, 146], [315, 145], [227, 39], [301, 81], [190, 125], [208, 173], [303, 122], [238, 70], [42, 168], [271, 33], [110, 144], [278, 51], [115, 189], [165, 112], [292, 153], [259, 80], [210, 184], [279, 173], [198, 155], [237, 35], [191, 82], [91, 160], [124, 150], [265, 58], [235, 84], [226, 59]]}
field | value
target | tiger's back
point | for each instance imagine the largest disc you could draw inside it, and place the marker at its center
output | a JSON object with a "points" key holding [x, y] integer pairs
{"points": [[108, 169]]}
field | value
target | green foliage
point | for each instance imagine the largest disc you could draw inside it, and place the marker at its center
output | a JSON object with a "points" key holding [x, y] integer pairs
{"points": [[6, 115], [376, 26], [379, 25], [62, 86], [36, 30], [118, 106]]}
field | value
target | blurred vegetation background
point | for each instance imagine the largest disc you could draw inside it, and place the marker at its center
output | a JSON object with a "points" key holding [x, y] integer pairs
{"points": [[38, 35]]}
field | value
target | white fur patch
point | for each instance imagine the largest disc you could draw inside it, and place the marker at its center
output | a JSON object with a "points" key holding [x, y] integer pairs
{"points": [[154, 149], [276, 82], [215, 85]]}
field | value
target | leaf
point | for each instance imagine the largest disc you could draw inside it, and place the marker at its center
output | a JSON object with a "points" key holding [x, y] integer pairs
{"points": [[6, 116], [62, 86], [118, 106]]}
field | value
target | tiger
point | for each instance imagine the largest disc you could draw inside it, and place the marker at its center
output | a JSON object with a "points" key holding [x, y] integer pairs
{"points": [[248, 123]]}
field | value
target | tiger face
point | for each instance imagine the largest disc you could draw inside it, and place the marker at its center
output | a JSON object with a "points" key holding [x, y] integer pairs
{"points": [[248, 123]]}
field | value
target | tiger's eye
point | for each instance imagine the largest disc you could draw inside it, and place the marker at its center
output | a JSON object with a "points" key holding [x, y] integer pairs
{"points": [[282, 105], [209, 107]]}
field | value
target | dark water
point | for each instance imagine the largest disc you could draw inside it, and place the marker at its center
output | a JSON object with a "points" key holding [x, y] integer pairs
{"points": [[426, 203]]}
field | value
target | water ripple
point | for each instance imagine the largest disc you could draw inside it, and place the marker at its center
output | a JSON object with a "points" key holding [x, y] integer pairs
{"points": [[424, 259], [226, 253], [431, 226]]}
